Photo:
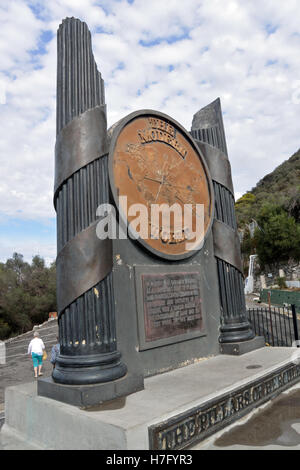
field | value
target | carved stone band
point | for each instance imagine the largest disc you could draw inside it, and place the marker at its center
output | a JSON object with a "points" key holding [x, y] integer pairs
{"points": [[196, 424], [81, 264], [227, 244], [79, 143], [218, 164]]}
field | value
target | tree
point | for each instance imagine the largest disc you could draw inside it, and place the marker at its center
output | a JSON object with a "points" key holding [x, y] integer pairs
{"points": [[4, 329], [278, 238], [244, 208], [27, 294], [292, 205]]}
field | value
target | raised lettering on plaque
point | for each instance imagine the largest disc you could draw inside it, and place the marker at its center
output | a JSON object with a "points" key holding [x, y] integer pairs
{"points": [[154, 162], [172, 305]]}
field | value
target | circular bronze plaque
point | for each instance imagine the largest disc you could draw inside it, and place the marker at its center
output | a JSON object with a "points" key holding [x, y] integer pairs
{"points": [[156, 174]]}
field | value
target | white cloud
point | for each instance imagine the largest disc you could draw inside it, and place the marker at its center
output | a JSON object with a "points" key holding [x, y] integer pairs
{"points": [[244, 52], [28, 249], [19, 33]]}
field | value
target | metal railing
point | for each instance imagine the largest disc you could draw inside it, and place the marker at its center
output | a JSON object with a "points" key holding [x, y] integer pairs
{"points": [[278, 325]]}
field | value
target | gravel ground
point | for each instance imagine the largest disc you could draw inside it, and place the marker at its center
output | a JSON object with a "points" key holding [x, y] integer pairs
{"points": [[251, 303]]}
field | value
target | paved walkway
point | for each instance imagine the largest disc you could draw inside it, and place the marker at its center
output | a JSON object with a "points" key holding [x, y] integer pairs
{"points": [[125, 423], [18, 368]]}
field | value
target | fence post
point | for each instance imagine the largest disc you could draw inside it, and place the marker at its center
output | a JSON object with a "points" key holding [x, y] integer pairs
{"points": [[295, 325]]}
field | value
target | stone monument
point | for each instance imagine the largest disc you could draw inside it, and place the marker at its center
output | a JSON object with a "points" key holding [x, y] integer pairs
{"points": [[131, 306], [149, 281], [236, 335]]}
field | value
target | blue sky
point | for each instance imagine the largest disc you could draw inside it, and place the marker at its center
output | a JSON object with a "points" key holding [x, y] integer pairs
{"points": [[175, 57]]}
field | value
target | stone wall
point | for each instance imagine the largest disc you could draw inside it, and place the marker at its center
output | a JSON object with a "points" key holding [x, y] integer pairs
{"points": [[290, 269]]}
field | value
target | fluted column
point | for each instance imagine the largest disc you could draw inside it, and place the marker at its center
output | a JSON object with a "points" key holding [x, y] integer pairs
{"points": [[208, 131], [87, 333]]}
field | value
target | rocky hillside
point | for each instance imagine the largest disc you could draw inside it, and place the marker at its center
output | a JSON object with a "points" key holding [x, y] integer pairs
{"points": [[280, 188], [269, 215]]}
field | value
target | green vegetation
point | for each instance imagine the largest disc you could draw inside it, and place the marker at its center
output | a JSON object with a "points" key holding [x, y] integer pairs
{"points": [[27, 294], [281, 282], [274, 205]]}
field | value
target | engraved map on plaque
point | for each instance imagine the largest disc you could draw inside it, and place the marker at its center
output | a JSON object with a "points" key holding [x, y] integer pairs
{"points": [[172, 305], [154, 162]]}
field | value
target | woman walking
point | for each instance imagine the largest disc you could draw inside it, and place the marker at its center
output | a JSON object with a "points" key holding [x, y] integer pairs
{"points": [[35, 349]]}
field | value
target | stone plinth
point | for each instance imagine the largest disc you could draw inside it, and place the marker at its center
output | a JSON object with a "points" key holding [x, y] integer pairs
{"points": [[185, 401]]}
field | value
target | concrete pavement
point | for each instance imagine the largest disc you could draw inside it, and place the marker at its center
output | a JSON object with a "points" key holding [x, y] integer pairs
{"points": [[125, 424]]}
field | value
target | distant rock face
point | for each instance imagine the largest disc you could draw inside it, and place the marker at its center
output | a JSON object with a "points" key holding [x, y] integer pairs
{"points": [[284, 180], [291, 269]]}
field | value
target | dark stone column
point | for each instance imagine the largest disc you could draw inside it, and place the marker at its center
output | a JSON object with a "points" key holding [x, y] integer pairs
{"points": [[208, 131], [87, 331]]}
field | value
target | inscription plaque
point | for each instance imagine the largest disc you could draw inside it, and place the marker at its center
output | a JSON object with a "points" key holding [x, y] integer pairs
{"points": [[197, 424], [172, 305]]}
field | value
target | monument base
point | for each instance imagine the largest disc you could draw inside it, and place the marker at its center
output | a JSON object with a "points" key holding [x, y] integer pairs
{"points": [[176, 410], [237, 349], [85, 396]]}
